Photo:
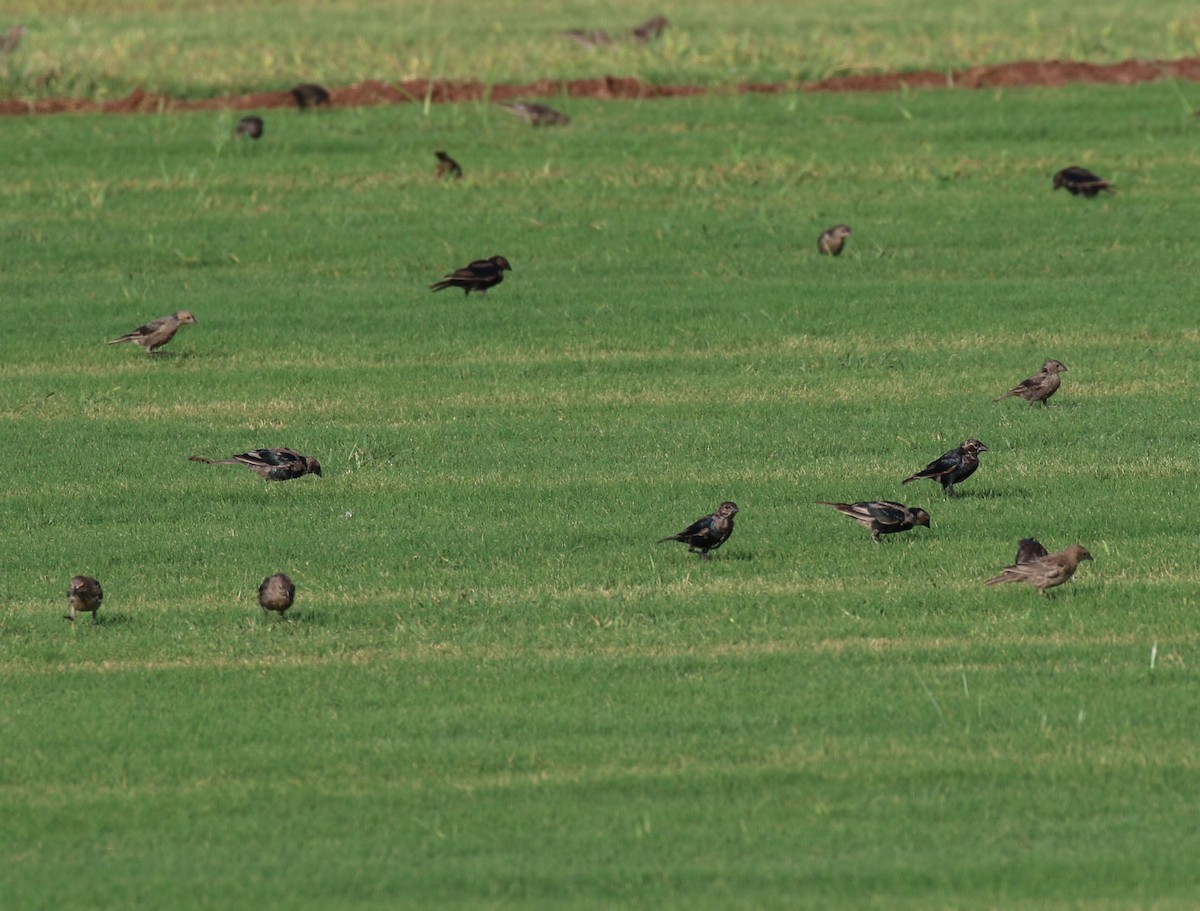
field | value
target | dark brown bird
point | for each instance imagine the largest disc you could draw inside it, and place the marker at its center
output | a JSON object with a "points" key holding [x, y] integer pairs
{"points": [[157, 333], [478, 276], [588, 37], [832, 241], [1029, 549], [1080, 181], [84, 594], [1040, 386], [650, 29], [280, 464], [249, 126], [276, 594], [952, 467], [310, 95], [708, 533], [12, 39], [447, 166], [1046, 571], [882, 517], [537, 114]]}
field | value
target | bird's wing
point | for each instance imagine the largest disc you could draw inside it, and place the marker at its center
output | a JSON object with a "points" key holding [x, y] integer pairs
{"points": [[886, 512], [945, 464], [1029, 549]]}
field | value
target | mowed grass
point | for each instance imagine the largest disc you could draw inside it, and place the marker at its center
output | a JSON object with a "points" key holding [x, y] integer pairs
{"points": [[495, 690]]}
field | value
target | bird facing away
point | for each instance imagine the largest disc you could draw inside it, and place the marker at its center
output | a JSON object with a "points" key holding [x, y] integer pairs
{"points": [[156, 333], [249, 126], [84, 594], [310, 95], [952, 467], [588, 37], [1080, 181], [831, 242], [447, 166], [280, 464], [276, 594], [1045, 571], [1040, 386], [650, 29], [12, 40], [539, 115], [1029, 549], [478, 276], [708, 533], [882, 517]]}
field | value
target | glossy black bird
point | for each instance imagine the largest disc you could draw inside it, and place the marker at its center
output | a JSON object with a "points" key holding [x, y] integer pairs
{"points": [[952, 467], [249, 126], [276, 593], [1080, 181], [1046, 571], [882, 517], [537, 114], [1029, 549], [84, 594], [310, 95], [478, 276], [832, 241], [156, 333], [708, 533], [1040, 386], [447, 166], [280, 464]]}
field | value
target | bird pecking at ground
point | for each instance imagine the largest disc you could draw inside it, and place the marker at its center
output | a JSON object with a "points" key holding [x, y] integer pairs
{"points": [[832, 241], [1081, 182], [476, 276], [84, 594], [951, 467], [276, 593], [309, 95], [709, 533], [882, 517], [156, 333], [1040, 386], [250, 127], [447, 166], [280, 464], [1042, 571]]}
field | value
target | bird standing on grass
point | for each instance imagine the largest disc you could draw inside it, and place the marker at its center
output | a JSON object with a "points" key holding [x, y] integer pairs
{"points": [[831, 242], [447, 166], [539, 115], [1042, 572], [157, 333], [478, 276], [249, 126], [650, 29], [882, 517], [280, 464], [952, 467], [310, 95], [84, 594], [276, 594], [1080, 182], [708, 533], [1040, 386]]}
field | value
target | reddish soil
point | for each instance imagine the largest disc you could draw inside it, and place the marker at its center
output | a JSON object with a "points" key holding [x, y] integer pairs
{"points": [[1021, 73]]}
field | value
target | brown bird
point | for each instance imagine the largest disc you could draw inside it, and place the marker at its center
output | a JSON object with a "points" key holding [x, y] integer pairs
{"points": [[952, 467], [588, 37], [1046, 571], [12, 40], [832, 241], [650, 29], [447, 166], [537, 114], [310, 95], [84, 594], [156, 333], [1040, 386], [708, 533], [276, 594], [1029, 549], [477, 276], [249, 126], [882, 517], [280, 464], [1080, 181]]}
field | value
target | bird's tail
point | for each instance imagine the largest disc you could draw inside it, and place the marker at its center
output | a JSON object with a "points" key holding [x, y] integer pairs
{"points": [[667, 538], [1006, 395], [201, 459], [1003, 577], [831, 503], [438, 286], [123, 338], [915, 477]]}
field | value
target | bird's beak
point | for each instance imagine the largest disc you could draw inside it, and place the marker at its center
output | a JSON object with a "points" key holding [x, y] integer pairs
{"points": [[983, 448]]}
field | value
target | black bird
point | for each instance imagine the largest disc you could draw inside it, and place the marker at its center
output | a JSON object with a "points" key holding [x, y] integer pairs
{"points": [[1080, 181], [280, 464], [276, 594], [447, 166], [832, 241], [708, 533], [1046, 571], [478, 276], [952, 467], [537, 114], [249, 126], [310, 95], [650, 29], [84, 594], [1040, 386], [1030, 549], [882, 517], [156, 333]]}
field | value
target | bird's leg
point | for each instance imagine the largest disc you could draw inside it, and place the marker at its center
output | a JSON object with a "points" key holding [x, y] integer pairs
{"points": [[875, 535]]}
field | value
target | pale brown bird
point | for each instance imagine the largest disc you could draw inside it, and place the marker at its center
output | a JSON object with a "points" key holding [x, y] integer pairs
{"points": [[280, 464], [447, 166], [538, 115], [650, 29], [310, 95], [157, 333], [882, 517], [832, 241], [12, 40], [1046, 571], [251, 127], [84, 594], [1040, 386], [1080, 181], [276, 594]]}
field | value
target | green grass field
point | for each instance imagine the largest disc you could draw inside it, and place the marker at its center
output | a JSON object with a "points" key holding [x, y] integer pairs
{"points": [[495, 690]]}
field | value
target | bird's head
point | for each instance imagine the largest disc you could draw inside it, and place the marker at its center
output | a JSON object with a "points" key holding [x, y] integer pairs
{"points": [[920, 516], [973, 446], [312, 466], [1060, 179], [1053, 366], [1078, 552], [185, 316], [501, 263], [728, 509], [842, 231]]}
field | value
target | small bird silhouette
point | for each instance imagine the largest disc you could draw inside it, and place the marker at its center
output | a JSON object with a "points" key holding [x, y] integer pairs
{"points": [[12, 39], [1040, 386], [84, 594], [280, 464], [708, 533], [310, 95], [882, 517], [537, 114], [832, 241], [1029, 549], [157, 333], [249, 126], [1080, 181], [952, 467], [276, 594], [1045, 571], [447, 166], [650, 29], [477, 276]]}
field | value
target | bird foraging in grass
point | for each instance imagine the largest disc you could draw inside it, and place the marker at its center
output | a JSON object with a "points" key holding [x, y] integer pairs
{"points": [[709, 533], [1080, 182], [952, 467], [1042, 572], [831, 242], [1040, 386], [280, 464], [882, 517], [650, 29], [477, 276], [276, 593], [539, 115], [447, 166], [84, 594], [251, 127], [310, 95], [156, 333]]}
